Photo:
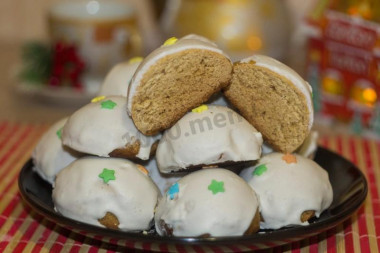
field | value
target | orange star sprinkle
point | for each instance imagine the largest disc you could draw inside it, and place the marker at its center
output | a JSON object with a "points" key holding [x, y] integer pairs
{"points": [[143, 169], [289, 158]]}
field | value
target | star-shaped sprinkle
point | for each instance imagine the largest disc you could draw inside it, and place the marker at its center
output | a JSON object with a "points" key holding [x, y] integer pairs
{"points": [[59, 133], [143, 169], [135, 59], [97, 99], [109, 104], [200, 109], [107, 175], [289, 158], [216, 186], [173, 190], [259, 170], [170, 41]]}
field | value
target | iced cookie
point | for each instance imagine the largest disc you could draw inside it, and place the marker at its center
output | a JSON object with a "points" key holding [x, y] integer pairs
{"points": [[50, 156], [109, 192], [208, 135], [103, 128], [274, 99], [205, 203], [291, 189], [175, 78], [117, 80]]}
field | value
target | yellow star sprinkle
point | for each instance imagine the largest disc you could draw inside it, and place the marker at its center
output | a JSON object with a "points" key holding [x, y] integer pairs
{"points": [[200, 109], [170, 41], [97, 99], [135, 59]]}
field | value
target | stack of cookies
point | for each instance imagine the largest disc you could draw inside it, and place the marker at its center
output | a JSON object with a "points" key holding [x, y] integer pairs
{"points": [[190, 144]]}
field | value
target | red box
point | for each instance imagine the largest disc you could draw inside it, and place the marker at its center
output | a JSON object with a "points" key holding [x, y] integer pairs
{"points": [[343, 65]]}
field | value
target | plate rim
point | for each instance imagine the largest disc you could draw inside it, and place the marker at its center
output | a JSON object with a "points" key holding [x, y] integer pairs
{"points": [[277, 235]]}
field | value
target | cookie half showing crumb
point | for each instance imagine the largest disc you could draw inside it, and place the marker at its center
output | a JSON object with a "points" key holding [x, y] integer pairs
{"points": [[175, 78], [274, 99]]}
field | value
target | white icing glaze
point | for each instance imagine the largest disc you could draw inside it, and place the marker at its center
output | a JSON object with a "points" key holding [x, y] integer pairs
{"points": [[266, 148], [307, 149], [288, 73], [309, 146], [188, 42], [50, 156], [287, 190], [213, 136], [79, 193], [163, 181], [117, 80], [195, 210], [98, 131]]}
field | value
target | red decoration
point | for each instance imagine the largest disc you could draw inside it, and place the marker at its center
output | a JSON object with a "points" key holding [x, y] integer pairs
{"points": [[67, 66], [345, 53]]}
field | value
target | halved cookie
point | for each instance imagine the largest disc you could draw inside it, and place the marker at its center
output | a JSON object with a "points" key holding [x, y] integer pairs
{"points": [[274, 99], [175, 78]]}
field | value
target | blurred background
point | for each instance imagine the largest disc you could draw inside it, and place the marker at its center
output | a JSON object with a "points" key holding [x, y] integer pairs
{"points": [[54, 54]]}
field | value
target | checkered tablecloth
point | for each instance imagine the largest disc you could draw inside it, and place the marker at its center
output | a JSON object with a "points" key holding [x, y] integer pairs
{"points": [[23, 230]]}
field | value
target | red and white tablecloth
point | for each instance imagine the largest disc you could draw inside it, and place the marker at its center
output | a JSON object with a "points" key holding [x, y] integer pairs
{"points": [[23, 230]]}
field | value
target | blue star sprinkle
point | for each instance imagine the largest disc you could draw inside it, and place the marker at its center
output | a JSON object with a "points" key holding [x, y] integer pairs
{"points": [[173, 190]]}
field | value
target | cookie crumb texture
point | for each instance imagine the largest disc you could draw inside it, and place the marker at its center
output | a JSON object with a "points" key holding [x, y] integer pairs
{"points": [[307, 215], [110, 221], [176, 84], [130, 151], [271, 104], [254, 227]]}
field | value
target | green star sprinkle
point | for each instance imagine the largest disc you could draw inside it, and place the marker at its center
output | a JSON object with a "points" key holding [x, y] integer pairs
{"points": [[216, 186], [109, 104], [107, 175], [259, 170], [59, 133]]}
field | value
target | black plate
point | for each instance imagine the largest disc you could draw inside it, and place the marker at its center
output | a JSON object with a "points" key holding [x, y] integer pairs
{"points": [[348, 183]]}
